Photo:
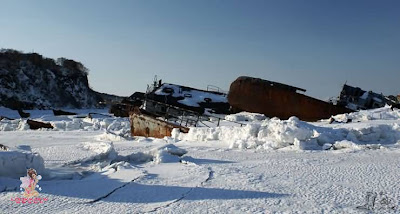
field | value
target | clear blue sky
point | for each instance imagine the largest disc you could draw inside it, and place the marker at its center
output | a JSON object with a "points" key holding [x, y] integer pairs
{"points": [[316, 44]]}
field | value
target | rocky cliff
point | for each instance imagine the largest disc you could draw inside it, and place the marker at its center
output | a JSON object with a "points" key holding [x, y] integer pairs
{"points": [[29, 80]]}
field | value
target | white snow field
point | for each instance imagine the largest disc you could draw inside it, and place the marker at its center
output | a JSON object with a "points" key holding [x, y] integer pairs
{"points": [[264, 166]]}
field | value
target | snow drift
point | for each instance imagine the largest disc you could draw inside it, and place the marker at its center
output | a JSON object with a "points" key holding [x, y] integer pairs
{"points": [[296, 134], [105, 152], [384, 113], [115, 125], [245, 117], [15, 163]]}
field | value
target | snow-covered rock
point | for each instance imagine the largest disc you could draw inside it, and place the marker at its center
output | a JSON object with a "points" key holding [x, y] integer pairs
{"points": [[31, 81], [167, 154], [245, 117], [14, 163]]}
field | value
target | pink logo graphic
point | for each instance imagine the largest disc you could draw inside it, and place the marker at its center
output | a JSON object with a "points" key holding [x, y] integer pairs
{"points": [[29, 184], [28, 187]]}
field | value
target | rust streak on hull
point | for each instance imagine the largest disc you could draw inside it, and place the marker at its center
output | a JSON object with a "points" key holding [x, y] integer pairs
{"points": [[278, 100]]}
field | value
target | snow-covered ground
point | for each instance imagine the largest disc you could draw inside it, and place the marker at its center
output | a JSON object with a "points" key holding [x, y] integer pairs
{"points": [[264, 166]]}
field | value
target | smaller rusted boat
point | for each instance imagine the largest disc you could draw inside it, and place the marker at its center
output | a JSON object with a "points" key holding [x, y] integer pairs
{"points": [[3, 148], [58, 112], [4, 117], [94, 115], [23, 114], [33, 124]]}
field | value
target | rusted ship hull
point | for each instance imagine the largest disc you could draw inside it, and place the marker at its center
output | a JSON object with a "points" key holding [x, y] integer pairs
{"points": [[61, 112], [148, 126], [38, 125], [278, 100]]}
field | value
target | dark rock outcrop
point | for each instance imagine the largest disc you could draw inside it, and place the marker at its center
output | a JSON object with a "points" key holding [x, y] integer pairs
{"points": [[29, 80]]}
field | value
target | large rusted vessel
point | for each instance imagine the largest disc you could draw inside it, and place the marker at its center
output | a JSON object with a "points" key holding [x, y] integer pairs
{"points": [[278, 100]]}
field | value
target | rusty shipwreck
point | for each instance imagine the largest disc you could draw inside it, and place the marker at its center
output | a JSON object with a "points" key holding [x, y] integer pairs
{"points": [[145, 124], [356, 99], [166, 106], [278, 100]]}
